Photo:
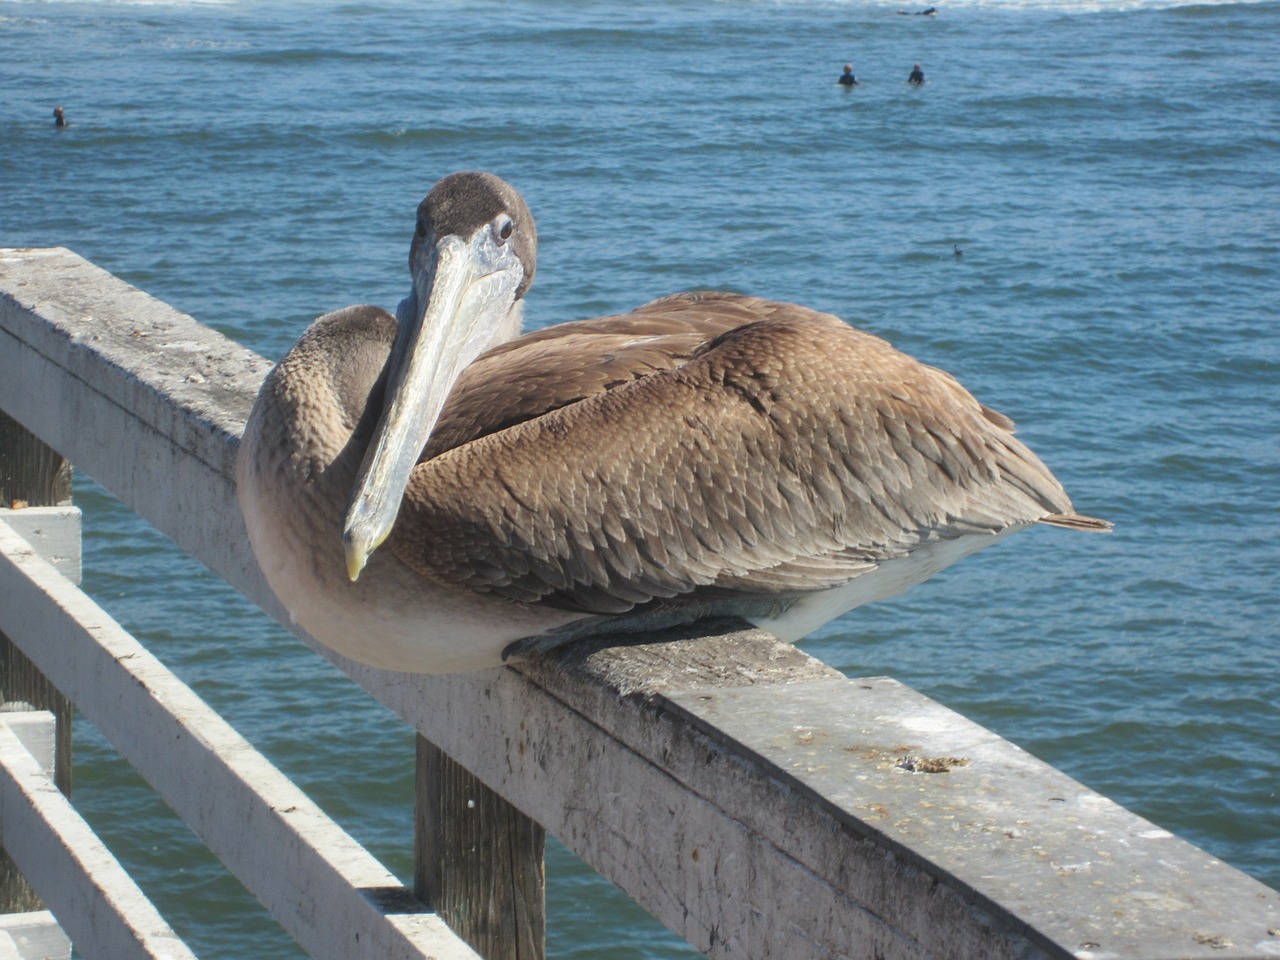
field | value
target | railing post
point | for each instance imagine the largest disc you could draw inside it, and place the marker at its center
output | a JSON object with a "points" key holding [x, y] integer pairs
{"points": [[478, 861], [31, 474]]}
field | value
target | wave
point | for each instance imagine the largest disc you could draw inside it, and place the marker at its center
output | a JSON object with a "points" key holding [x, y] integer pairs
{"points": [[942, 6], [1060, 6], [132, 3]]}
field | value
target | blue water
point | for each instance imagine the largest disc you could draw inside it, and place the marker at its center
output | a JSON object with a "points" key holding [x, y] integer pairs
{"points": [[1110, 171]]}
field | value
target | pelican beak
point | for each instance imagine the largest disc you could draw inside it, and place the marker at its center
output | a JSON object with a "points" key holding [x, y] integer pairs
{"points": [[463, 293]]}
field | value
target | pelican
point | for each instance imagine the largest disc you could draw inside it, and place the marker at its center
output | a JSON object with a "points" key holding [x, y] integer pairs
{"points": [[432, 492]]}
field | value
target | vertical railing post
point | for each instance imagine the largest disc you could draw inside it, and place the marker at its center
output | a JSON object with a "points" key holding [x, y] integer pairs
{"points": [[478, 861], [31, 474]]}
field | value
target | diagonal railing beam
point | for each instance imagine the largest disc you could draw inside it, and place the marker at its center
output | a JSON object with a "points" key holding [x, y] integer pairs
{"points": [[323, 887]]}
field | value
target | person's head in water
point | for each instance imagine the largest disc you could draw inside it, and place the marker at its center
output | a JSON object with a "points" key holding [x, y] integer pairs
{"points": [[847, 78], [917, 75], [59, 119]]}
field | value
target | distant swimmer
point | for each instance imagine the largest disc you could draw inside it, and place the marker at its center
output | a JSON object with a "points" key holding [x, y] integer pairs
{"points": [[847, 79], [955, 248], [917, 75], [59, 118]]}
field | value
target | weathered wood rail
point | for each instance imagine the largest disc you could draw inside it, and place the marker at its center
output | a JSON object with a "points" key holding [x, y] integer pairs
{"points": [[747, 795]]}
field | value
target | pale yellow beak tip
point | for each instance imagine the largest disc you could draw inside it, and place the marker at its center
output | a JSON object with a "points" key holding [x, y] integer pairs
{"points": [[357, 557]]}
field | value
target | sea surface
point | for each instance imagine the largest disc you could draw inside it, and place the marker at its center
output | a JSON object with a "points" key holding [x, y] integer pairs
{"points": [[1078, 214]]}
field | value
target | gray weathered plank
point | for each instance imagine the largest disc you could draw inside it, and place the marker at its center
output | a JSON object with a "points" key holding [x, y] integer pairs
{"points": [[326, 890], [99, 906], [479, 861], [630, 756], [33, 936], [53, 532]]}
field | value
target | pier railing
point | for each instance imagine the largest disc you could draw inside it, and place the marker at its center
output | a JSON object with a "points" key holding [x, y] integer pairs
{"points": [[748, 796]]}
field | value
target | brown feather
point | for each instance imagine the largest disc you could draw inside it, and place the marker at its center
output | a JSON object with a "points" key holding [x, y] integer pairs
{"points": [[804, 451]]}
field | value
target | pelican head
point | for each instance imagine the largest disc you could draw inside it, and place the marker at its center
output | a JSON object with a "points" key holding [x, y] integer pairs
{"points": [[472, 259]]}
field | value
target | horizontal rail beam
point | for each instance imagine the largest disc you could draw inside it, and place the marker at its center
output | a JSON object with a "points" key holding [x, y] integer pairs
{"points": [[83, 885], [33, 935], [748, 796], [326, 890]]}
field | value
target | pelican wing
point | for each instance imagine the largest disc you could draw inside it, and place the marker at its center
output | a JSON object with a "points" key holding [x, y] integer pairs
{"points": [[783, 453], [566, 363]]}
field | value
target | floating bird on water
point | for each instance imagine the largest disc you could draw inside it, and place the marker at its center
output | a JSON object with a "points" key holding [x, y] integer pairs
{"points": [[432, 492]]}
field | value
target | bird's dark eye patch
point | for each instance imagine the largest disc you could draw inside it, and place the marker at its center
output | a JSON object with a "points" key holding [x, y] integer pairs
{"points": [[503, 227]]}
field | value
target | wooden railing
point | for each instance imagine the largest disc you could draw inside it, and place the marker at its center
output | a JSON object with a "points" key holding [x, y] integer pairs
{"points": [[748, 796]]}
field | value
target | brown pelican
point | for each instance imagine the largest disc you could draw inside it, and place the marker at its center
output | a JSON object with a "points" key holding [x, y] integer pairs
{"points": [[706, 454]]}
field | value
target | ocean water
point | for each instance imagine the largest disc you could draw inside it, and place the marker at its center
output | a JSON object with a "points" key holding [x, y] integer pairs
{"points": [[1109, 170]]}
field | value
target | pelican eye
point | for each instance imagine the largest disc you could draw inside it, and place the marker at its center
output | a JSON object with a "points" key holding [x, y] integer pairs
{"points": [[422, 229], [503, 227]]}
